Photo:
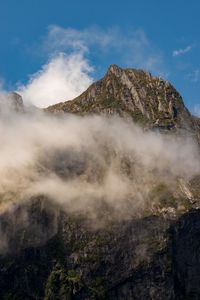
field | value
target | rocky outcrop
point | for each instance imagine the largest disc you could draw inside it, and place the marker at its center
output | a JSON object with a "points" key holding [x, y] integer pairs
{"points": [[148, 100]]}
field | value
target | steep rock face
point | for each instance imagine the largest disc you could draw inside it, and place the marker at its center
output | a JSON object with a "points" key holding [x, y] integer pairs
{"points": [[132, 93], [129, 260], [146, 258]]}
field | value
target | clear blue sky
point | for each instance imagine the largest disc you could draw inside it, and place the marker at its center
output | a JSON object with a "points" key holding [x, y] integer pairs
{"points": [[162, 36]]}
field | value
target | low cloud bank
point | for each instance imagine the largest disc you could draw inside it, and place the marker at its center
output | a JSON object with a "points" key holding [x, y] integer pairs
{"points": [[85, 163]]}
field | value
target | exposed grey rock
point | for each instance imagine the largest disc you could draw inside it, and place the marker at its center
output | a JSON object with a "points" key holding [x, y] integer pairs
{"points": [[150, 101]]}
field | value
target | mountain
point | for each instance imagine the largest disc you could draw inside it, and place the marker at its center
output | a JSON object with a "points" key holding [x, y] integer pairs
{"points": [[136, 94], [153, 254]]}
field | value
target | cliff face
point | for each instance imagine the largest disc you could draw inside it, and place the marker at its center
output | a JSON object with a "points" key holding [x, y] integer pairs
{"points": [[145, 258], [132, 93], [153, 255], [149, 101], [128, 260]]}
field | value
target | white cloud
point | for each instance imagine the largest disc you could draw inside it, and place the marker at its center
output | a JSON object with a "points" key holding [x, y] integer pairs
{"points": [[131, 48], [182, 51], [61, 79], [68, 72], [70, 39]]}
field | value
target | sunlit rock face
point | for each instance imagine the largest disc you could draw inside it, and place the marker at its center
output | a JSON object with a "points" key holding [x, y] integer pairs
{"points": [[102, 250], [134, 93]]}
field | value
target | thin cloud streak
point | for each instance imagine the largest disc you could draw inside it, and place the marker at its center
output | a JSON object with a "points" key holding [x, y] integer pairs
{"points": [[183, 51]]}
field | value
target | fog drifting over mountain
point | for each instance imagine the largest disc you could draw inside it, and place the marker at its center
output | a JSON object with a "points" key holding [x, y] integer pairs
{"points": [[78, 161]]}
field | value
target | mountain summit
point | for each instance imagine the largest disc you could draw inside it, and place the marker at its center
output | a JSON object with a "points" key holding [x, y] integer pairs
{"points": [[148, 100]]}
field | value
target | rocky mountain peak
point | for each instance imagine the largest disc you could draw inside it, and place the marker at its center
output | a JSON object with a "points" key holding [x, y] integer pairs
{"points": [[148, 100], [114, 69], [121, 73]]}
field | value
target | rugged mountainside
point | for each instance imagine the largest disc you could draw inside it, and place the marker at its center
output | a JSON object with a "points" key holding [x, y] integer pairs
{"points": [[148, 100], [151, 256]]}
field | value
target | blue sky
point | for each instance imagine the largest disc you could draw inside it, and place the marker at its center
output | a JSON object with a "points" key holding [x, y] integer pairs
{"points": [[60, 47]]}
